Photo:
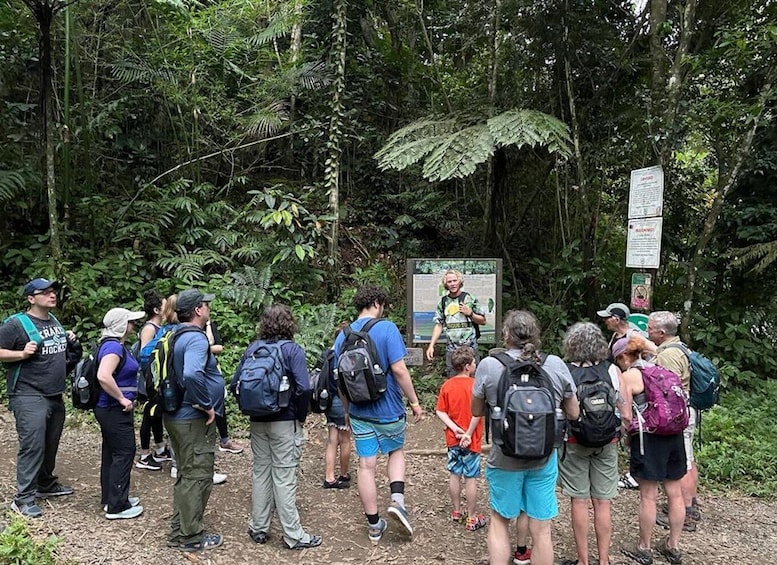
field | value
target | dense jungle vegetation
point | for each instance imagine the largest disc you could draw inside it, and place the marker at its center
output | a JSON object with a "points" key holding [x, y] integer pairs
{"points": [[293, 149]]}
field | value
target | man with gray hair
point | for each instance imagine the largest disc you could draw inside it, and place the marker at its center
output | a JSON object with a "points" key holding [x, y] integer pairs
{"points": [[662, 330]]}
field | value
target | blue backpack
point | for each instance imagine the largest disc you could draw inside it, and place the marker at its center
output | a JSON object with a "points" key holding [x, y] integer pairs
{"points": [[705, 379], [261, 384]]}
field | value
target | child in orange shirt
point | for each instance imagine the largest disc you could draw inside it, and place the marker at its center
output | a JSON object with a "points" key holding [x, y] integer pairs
{"points": [[463, 434]]}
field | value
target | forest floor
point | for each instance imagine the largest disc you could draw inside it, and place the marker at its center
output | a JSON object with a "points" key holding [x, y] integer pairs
{"points": [[735, 529]]}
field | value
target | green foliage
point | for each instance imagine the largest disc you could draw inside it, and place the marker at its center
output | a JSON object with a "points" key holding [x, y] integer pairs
{"points": [[18, 547], [452, 147], [738, 449]]}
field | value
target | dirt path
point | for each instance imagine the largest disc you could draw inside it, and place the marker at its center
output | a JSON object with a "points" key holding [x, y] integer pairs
{"points": [[734, 530]]}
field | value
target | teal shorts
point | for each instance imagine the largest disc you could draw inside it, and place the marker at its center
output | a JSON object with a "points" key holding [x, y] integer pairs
{"points": [[463, 462], [371, 437], [532, 491]]}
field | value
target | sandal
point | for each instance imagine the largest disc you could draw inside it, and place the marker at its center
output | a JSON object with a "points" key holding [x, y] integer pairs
{"points": [[641, 556], [208, 541]]}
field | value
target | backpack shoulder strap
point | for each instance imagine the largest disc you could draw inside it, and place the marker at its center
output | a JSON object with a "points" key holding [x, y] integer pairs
{"points": [[122, 355], [369, 325], [682, 347], [28, 326]]}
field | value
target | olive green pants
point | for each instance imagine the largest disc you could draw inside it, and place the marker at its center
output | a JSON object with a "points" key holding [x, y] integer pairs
{"points": [[194, 445]]}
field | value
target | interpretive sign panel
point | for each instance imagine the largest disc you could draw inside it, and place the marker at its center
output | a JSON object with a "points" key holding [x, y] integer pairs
{"points": [[646, 193], [482, 279]]}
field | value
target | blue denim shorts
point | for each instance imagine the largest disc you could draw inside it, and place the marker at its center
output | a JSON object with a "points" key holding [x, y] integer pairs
{"points": [[463, 462], [369, 437], [532, 491], [335, 416]]}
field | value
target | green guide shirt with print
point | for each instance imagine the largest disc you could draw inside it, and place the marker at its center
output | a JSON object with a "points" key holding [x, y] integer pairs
{"points": [[458, 328]]}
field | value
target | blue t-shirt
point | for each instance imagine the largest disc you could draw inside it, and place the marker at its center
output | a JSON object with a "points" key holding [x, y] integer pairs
{"points": [[391, 348], [126, 378], [200, 376]]}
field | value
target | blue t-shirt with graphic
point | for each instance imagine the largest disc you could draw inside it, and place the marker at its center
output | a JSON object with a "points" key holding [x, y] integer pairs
{"points": [[391, 348]]}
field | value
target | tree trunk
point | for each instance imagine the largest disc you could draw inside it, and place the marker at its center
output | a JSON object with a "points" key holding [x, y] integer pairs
{"points": [[725, 183], [333, 162]]}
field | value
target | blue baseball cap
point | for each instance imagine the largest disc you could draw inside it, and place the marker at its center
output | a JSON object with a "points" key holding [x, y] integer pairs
{"points": [[39, 284]]}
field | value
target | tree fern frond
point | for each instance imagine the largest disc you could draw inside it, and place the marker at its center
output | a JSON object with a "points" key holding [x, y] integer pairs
{"points": [[249, 287], [311, 75], [138, 71], [762, 254], [458, 154], [401, 156], [530, 127], [279, 26]]}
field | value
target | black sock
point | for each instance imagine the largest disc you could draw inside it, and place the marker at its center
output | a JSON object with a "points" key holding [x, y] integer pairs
{"points": [[373, 519], [397, 487], [520, 549]]}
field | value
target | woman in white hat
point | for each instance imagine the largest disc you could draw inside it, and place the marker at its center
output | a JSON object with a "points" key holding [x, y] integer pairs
{"points": [[117, 373]]}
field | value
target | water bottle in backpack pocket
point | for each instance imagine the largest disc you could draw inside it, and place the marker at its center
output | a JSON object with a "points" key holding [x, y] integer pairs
{"points": [[261, 383], [361, 376]]}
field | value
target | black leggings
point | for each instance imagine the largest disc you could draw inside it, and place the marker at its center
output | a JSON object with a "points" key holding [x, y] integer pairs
{"points": [[151, 423]]}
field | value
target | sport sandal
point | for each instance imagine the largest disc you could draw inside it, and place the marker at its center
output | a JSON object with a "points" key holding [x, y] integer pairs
{"points": [[638, 554]]}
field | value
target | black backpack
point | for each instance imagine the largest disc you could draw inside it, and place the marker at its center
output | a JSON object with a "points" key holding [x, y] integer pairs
{"points": [[524, 423], [362, 378], [85, 389], [599, 423], [323, 382]]}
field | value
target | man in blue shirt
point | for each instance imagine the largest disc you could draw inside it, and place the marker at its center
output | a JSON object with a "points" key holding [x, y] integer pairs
{"points": [[191, 428], [380, 425]]}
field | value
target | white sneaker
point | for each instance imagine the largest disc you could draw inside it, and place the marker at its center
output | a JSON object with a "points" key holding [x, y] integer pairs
{"points": [[133, 500], [131, 512], [174, 472]]}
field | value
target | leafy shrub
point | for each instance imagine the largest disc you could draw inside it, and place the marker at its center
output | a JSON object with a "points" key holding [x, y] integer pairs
{"points": [[18, 547], [739, 450]]}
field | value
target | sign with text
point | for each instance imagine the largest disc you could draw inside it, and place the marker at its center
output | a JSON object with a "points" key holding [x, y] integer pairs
{"points": [[482, 279], [641, 291], [643, 246], [646, 192]]}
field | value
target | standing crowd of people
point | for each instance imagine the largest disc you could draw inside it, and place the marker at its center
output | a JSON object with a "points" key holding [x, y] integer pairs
{"points": [[598, 393]]}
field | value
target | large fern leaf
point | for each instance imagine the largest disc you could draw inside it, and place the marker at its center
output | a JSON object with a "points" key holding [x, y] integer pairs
{"points": [[249, 287], [762, 254], [454, 146], [11, 184]]}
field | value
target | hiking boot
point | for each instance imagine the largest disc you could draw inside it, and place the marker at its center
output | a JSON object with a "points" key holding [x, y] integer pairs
{"points": [[56, 490], [208, 541], [148, 462], [674, 556], [163, 455], [400, 516], [638, 554], [376, 532], [133, 500], [458, 517], [230, 447], [476, 522], [522, 558], [258, 537], [314, 541], [29, 510], [692, 514], [131, 512]]}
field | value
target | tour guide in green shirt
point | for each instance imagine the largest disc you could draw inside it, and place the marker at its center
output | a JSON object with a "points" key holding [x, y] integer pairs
{"points": [[458, 314]]}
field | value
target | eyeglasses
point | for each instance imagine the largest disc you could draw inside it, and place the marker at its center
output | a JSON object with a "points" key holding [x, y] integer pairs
{"points": [[45, 291]]}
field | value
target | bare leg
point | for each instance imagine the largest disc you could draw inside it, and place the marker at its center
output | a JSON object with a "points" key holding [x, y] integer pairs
{"points": [[330, 452], [522, 529], [454, 489], [344, 441], [368, 492], [395, 466], [542, 551], [689, 484], [676, 511], [471, 487], [499, 551], [579, 513], [648, 490], [603, 529]]}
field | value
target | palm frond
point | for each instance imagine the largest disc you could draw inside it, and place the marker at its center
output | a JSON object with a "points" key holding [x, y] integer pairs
{"points": [[11, 184], [268, 120], [279, 26], [762, 254]]}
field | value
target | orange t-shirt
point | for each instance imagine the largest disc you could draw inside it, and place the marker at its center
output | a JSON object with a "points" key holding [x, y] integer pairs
{"points": [[455, 398]]}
